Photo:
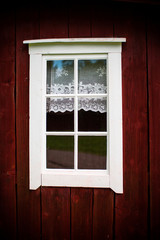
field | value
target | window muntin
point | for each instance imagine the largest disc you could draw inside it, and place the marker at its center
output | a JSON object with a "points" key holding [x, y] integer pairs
{"points": [[76, 105]]}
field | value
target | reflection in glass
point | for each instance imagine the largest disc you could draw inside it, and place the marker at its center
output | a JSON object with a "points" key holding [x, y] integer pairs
{"points": [[60, 77], [60, 114], [92, 114], [92, 76], [92, 152], [60, 152]]}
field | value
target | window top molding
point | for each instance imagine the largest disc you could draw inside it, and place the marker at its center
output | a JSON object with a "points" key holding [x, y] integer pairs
{"points": [[75, 40], [75, 45]]}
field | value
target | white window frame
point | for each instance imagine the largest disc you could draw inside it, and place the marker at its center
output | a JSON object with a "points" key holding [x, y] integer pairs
{"points": [[47, 49]]}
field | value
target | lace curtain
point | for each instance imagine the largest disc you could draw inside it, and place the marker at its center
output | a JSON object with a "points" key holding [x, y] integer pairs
{"points": [[91, 80]]}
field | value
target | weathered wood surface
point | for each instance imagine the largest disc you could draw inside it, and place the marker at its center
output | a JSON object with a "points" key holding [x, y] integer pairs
{"points": [[56, 212], [7, 127], [81, 213], [153, 48], [55, 201], [131, 208], [103, 199], [28, 202]]}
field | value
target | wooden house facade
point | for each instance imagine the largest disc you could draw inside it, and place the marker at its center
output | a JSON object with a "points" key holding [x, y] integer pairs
{"points": [[63, 213]]}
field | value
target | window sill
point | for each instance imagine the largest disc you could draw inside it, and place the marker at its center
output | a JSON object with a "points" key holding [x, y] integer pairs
{"points": [[81, 178]]}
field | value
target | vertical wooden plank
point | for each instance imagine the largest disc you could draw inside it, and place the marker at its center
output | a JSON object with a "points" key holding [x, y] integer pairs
{"points": [[81, 213], [102, 20], [55, 201], [131, 207], [56, 213], [53, 21], [103, 214], [153, 47], [103, 201], [7, 126], [79, 20], [27, 27], [81, 198]]}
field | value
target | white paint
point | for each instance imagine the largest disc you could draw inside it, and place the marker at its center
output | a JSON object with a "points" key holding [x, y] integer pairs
{"points": [[35, 116], [39, 175], [76, 114], [74, 40], [75, 179], [78, 133], [115, 123], [74, 48]]}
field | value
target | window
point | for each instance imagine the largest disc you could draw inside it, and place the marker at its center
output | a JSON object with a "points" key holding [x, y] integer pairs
{"points": [[76, 113]]}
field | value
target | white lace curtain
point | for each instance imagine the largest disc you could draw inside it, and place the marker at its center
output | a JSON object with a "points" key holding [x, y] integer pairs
{"points": [[91, 80], [67, 104]]}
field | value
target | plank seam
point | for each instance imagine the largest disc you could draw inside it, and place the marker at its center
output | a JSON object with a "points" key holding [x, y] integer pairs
{"points": [[148, 123], [15, 99], [41, 213], [92, 212], [70, 216]]}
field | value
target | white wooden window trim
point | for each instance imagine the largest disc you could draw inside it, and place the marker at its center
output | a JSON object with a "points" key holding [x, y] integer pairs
{"points": [[39, 175]]}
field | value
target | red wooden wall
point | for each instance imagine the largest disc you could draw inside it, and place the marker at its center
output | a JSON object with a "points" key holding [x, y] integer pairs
{"points": [[80, 213]]}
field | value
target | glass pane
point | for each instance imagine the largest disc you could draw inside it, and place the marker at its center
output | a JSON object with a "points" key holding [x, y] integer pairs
{"points": [[60, 152], [60, 77], [60, 114], [92, 76], [92, 114], [92, 152]]}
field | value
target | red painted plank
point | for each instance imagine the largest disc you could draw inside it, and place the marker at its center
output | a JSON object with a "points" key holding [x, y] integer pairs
{"points": [[81, 213], [103, 214], [7, 206], [56, 213], [132, 206], [7, 116], [53, 21], [55, 201], [27, 27], [7, 126], [102, 19], [103, 201], [7, 36], [153, 46], [80, 20], [81, 199]]}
